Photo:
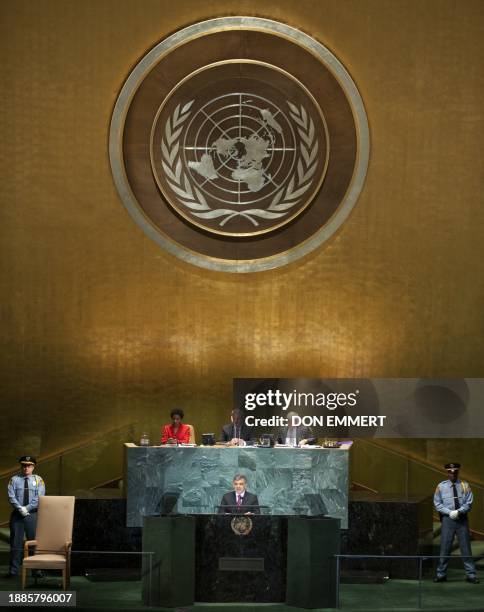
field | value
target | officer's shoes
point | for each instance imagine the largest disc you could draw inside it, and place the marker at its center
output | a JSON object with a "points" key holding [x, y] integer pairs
{"points": [[472, 579], [440, 579]]}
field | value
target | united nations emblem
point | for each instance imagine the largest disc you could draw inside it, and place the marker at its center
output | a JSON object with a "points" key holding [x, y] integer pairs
{"points": [[241, 525], [241, 158], [239, 144]]}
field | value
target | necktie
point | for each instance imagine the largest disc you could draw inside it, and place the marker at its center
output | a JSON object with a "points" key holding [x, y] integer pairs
{"points": [[456, 497], [239, 500], [26, 491]]}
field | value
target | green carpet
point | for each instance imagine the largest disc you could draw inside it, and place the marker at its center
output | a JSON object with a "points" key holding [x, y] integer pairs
{"points": [[399, 595]]}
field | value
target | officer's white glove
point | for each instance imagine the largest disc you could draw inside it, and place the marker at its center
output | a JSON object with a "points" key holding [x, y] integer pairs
{"points": [[454, 514], [23, 511]]}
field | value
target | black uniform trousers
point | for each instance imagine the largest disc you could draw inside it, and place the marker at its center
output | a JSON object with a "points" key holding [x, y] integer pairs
{"points": [[20, 525]]}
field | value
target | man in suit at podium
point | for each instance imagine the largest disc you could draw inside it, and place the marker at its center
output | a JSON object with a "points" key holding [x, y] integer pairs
{"points": [[239, 501]]}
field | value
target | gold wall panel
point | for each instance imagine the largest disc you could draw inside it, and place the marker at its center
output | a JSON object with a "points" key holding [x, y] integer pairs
{"points": [[101, 328]]}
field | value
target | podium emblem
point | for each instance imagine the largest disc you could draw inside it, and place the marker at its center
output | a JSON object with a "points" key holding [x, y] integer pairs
{"points": [[241, 525]]}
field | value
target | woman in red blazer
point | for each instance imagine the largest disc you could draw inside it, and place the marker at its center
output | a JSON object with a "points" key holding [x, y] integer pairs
{"points": [[177, 432]]}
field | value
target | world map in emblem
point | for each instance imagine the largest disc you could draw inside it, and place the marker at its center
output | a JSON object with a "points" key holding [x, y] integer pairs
{"points": [[245, 161], [242, 148]]}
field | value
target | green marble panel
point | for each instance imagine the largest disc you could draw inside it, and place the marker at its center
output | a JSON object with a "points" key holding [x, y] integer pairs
{"points": [[289, 481]]}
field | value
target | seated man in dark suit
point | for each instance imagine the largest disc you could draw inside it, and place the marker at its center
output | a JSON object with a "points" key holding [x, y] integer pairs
{"points": [[295, 435], [236, 433], [239, 501]]}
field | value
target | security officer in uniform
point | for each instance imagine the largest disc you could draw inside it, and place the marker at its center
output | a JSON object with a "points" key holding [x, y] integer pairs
{"points": [[453, 500], [24, 491]]}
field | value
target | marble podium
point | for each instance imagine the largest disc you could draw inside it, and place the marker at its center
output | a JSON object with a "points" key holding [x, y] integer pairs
{"points": [[205, 559], [192, 480]]}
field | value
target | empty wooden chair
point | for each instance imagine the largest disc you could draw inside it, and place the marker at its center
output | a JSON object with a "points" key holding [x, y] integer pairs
{"points": [[53, 538]]}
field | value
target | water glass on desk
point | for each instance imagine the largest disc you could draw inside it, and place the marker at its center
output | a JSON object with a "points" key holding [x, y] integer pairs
{"points": [[144, 441]]}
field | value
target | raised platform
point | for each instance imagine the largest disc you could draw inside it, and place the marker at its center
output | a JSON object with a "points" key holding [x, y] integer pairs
{"points": [[377, 526], [387, 525]]}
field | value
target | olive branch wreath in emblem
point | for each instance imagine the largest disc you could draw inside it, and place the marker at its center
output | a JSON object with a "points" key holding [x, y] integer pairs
{"points": [[284, 199]]}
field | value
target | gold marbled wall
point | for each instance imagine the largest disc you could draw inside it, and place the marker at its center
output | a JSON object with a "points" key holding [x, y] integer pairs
{"points": [[101, 328]]}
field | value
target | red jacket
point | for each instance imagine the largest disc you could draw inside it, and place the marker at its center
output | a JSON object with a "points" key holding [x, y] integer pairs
{"points": [[182, 435]]}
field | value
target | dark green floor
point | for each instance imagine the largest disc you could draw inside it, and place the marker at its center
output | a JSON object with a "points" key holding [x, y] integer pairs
{"points": [[455, 595]]}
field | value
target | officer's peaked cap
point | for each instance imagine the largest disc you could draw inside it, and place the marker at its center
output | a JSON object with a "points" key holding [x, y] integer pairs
{"points": [[452, 467], [28, 460]]}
